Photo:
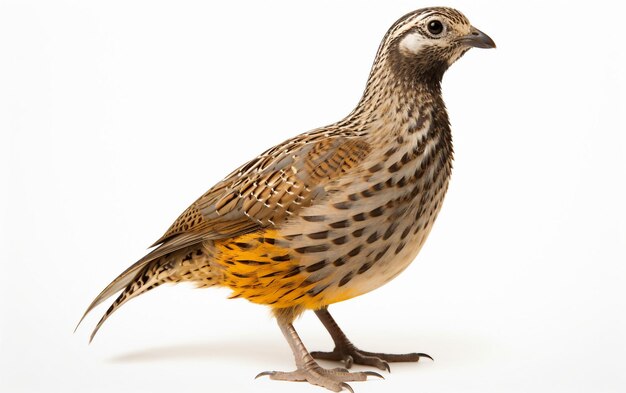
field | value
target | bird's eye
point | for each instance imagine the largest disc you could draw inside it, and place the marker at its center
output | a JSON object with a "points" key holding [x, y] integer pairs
{"points": [[435, 27]]}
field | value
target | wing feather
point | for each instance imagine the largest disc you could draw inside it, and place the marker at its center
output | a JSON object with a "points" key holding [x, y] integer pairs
{"points": [[266, 190]]}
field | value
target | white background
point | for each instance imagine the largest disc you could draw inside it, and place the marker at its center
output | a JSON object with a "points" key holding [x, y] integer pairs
{"points": [[115, 115]]}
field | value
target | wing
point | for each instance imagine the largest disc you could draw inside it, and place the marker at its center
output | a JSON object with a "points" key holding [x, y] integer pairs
{"points": [[266, 190]]}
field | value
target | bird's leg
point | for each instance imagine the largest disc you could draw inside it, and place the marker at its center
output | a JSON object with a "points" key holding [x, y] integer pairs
{"points": [[346, 351], [308, 370]]}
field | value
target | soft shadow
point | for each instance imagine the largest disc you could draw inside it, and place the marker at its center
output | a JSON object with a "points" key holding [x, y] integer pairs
{"points": [[240, 349]]}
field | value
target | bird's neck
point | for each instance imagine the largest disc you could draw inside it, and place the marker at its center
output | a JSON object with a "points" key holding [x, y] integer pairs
{"points": [[400, 108]]}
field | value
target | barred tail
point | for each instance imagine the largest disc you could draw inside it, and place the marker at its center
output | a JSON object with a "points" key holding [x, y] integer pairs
{"points": [[189, 264], [148, 278]]}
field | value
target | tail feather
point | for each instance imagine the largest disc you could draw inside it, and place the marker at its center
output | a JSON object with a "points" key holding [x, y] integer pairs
{"points": [[188, 264], [169, 247], [122, 281], [146, 280]]}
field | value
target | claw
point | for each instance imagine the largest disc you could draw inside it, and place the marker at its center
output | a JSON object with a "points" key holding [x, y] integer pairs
{"points": [[425, 355], [373, 374], [264, 373], [386, 365], [347, 387]]}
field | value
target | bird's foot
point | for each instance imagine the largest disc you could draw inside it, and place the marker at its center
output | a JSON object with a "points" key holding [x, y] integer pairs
{"points": [[352, 355], [332, 379]]}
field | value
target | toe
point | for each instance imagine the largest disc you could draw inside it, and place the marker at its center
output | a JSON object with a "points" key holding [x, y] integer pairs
{"points": [[374, 361], [391, 357], [326, 355]]}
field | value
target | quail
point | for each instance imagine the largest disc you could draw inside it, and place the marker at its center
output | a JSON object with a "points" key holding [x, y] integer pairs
{"points": [[329, 214]]}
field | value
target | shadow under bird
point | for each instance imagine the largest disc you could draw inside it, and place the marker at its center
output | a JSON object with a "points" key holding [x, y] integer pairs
{"points": [[329, 214]]}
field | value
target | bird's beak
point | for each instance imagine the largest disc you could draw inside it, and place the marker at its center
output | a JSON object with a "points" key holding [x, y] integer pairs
{"points": [[477, 39]]}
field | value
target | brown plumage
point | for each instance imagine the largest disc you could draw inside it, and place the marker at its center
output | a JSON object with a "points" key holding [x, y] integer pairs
{"points": [[332, 213]]}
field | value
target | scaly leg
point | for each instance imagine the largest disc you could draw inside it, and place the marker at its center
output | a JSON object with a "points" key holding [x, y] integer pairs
{"points": [[308, 369], [346, 351]]}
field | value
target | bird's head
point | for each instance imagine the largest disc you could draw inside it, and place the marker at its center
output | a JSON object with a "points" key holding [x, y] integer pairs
{"points": [[424, 43]]}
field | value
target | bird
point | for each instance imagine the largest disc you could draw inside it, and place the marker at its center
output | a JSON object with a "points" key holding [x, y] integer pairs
{"points": [[332, 213]]}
